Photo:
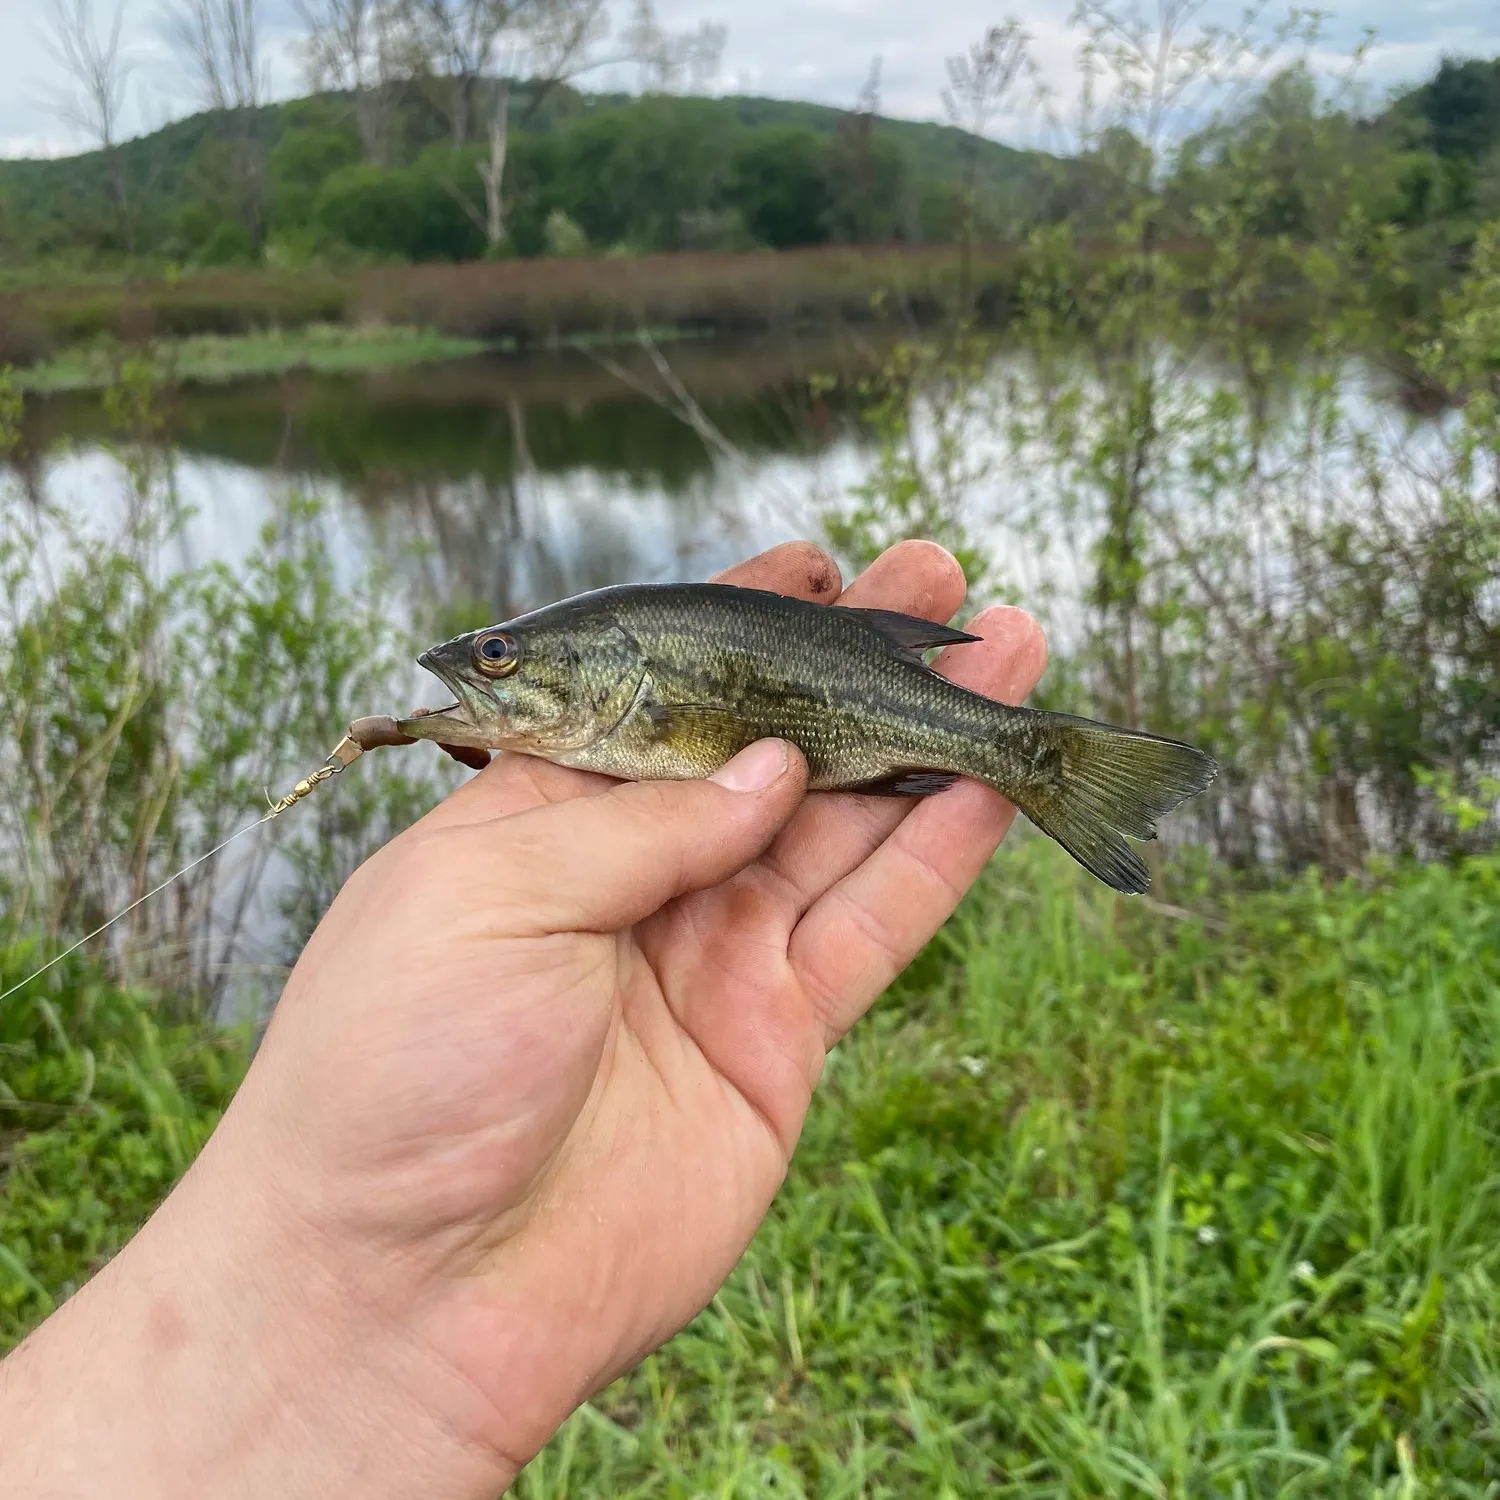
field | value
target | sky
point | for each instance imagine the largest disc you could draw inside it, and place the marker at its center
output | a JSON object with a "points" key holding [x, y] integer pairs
{"points": [[795, 49]]}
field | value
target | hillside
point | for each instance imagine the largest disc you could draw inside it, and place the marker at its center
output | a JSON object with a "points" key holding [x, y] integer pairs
{"points": [[294, 186], [653, 173]]}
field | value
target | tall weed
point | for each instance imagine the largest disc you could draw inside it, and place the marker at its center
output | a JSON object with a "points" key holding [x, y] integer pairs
{"points": [[152, 710]]}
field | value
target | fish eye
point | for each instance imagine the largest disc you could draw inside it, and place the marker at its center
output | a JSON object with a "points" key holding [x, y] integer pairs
{"points": [[497, 654]]}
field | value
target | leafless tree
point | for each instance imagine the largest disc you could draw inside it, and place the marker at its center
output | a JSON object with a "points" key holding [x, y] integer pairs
{"points": [[668, 59], [220, 42], [492, 169], [856, 128], [457, 41], [359, 46], [979, 82], [96, 66], [545, 42], [1166, 64]]}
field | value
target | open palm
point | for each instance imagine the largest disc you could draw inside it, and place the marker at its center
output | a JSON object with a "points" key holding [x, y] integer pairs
{"points": [[538, 1075]]}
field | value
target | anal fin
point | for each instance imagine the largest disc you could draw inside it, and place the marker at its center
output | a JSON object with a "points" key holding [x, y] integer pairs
{"points": [[906, 784]]}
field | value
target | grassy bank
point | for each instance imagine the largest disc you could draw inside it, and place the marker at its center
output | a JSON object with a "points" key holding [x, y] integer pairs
{"points": [[207, 359], [520, 303], [1102, 1200]]}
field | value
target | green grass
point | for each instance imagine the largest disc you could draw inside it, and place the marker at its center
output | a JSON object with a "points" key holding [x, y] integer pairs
{"points": [[1099, 1201], [325, 348]]}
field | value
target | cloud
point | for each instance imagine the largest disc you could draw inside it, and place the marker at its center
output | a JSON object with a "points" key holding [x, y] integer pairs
{"points": [[804, 49], [159, 87]]}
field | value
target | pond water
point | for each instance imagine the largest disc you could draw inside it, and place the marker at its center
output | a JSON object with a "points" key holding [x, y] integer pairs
{"points": [[505, 481]]}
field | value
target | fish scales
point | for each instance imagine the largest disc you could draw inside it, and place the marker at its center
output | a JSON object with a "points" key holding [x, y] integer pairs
{"points": [[859, 708], [670, 681]]}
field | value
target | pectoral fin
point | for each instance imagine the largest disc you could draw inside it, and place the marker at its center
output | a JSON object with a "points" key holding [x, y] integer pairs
{"points": [[704, 732]]}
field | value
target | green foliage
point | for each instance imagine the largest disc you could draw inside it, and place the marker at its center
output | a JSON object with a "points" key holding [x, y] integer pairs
{"points": [[650, 173], [922, 407], [301, 162], [1256, 562], [103, 1105], [564, 236], [1099, 1198], [11, 407], [1103, 1205], [227, 244], [779, 185], [1461, 107], [149, 714], [414, 213]]}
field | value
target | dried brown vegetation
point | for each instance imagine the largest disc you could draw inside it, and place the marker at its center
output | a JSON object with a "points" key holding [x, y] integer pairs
{"points": [[523, 302]]}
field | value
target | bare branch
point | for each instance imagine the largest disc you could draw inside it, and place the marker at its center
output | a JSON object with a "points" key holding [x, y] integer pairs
{"points": [[543, 42], [359, 46], [96, 67], [221, 42], [980, 81], [667, 58]]}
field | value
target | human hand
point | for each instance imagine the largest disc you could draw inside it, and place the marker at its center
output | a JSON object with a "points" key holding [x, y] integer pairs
{"points": [[535, 1081]]}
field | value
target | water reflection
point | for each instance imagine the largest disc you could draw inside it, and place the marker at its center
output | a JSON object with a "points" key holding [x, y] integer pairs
{"points": [[498, 483]]}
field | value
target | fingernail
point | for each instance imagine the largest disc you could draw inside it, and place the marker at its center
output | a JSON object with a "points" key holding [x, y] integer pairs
{"points": [[753, 769]]}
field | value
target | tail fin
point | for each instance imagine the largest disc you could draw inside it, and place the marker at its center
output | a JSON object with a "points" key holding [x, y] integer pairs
{"points": [[1109, 784]]}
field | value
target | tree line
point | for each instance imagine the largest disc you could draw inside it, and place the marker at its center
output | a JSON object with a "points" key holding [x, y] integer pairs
{"points": [[457, 129]]}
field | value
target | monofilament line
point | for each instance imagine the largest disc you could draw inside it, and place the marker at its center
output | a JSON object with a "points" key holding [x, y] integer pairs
{"points": [[121, 915], [345, 753]]}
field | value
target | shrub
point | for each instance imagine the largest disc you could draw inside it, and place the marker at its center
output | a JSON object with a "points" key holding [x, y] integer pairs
{"points": [[415, 213], [565, 239]]}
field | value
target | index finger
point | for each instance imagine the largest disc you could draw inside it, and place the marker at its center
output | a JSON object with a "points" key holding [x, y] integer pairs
{"points": [[802, 570]]}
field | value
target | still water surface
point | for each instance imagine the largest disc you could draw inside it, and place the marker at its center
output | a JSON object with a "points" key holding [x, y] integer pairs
{"points": [[504, 481]]}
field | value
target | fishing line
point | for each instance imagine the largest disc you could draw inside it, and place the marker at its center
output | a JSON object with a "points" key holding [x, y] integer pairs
{"points": [[349, 749], [121, 915]]}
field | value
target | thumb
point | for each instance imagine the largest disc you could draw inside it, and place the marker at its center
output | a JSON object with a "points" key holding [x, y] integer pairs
{"points": [[602, 863]]}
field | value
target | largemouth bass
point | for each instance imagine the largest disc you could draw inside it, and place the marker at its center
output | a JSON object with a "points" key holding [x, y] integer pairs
{"points": [[667, 682]]}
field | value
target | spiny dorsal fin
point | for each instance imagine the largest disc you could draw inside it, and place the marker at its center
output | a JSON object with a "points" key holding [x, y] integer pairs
{"points": [[909, 634]]}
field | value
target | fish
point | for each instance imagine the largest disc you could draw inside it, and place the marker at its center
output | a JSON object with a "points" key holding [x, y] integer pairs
{"points": [[670, 681]]}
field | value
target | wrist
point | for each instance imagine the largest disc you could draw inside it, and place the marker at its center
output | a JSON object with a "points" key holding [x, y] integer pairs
{"points": [[223, 1353]]}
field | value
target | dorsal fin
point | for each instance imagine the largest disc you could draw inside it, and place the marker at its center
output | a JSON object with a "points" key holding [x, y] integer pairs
{"points": [[909, 634]]}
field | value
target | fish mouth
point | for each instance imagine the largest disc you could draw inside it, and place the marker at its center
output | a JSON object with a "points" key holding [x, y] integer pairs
{"points": [[453, 724]]}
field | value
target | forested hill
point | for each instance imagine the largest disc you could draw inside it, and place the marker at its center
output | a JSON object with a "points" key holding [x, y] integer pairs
{"points": [[315, 181], [610, 171]]}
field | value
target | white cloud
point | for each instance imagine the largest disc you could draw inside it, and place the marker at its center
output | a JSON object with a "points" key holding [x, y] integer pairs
{"points": [[811, 49], [158, 89]]}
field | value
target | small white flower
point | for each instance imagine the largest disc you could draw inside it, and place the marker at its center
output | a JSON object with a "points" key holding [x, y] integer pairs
{"points": [[1104, 1330], [1208, 1235], [1305, 1271], [1038, 1152], [973, 1066]]}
